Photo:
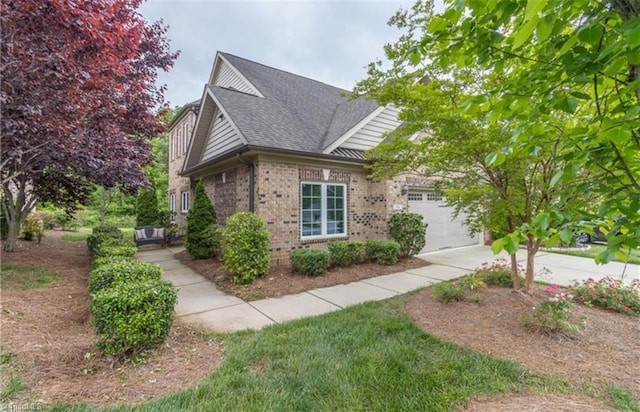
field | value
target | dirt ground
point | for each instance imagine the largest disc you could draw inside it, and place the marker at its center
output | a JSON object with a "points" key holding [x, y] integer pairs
{"points": [[49, 335], [281, 280]]}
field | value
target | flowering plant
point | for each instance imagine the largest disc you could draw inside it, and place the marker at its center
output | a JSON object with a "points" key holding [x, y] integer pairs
{"points": [[609, 293], [497, 273], [554, 313]]}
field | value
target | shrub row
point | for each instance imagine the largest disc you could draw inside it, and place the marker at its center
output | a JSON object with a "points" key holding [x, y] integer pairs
{"points": [[132, 306], [313, 262]]}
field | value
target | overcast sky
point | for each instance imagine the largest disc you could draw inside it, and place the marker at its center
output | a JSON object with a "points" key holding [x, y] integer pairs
{"points": [[327, 40]]}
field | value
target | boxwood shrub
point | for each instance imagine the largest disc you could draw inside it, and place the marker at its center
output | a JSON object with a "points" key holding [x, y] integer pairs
{"points": [[384, 252], [123, 270], [245, 247], [100, 234], [310, 262], [105, 260], [130, 317], [116, 247], [347, 252]]}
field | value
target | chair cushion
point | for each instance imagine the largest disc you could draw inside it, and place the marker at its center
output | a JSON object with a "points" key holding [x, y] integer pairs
{"points": [[140, 234], [158, 233]]}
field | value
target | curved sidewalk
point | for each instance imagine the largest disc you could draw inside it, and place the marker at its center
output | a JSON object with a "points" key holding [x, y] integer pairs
{"points": [[199, 302]]}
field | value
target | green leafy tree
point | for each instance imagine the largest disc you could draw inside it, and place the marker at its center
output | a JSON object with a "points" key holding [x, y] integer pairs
{"points": [[515, 195], [580, 58], [202, 235], [147, 208]]}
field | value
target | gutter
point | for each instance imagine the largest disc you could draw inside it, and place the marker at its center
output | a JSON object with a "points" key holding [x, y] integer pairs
{"points": [[252, 178]]}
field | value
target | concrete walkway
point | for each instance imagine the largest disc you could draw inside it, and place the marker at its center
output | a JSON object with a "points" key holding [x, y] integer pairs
{"points": [[199, 302]]}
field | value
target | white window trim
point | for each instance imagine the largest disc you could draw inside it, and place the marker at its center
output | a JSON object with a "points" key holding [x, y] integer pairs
{"points": [[184, 205], [172, 202], [324, 234]]}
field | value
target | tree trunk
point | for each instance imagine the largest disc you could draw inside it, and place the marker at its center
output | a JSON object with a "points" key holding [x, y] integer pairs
{"points": [[12, 235], [530, 270], [532, 248], [514, 272]]}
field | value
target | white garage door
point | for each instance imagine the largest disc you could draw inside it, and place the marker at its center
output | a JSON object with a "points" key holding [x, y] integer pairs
{"points": [[442, 232]]}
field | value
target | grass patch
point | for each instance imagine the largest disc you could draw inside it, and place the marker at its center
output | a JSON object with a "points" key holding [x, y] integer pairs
{"points": [[26, 277], [368, 357], [80, 236], [593, 250]]}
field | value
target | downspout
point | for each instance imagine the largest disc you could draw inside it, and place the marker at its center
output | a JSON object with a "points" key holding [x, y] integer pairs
{"points": [[252, 169]]}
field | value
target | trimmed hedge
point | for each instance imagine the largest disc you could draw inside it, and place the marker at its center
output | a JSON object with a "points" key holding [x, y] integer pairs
{"points": [[408, 230], [130, 317], [106, 275], [116, 247], [347, 252], [105, 260], [100, 234], [245, 247], [310, 262], [383, 252]]}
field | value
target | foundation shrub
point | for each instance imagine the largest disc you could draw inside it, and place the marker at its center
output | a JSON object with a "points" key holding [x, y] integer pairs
{"points": [[383, 252], [245, 247], [202, 238], [310, 262], [347, 252]]}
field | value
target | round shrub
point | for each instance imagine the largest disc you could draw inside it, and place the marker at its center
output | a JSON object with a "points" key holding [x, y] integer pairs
{"points": [[310, 262], [131, 317], [245, 247], [104, 276], [347, 252], [408, 230], [383, 252], [202, 238]]}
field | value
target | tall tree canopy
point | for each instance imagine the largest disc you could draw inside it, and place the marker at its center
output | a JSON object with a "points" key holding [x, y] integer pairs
{"points": [[78, 99], [574, 58]]}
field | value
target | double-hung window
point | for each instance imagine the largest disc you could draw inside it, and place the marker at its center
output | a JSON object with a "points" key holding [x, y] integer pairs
{"points": [[184, 202], [323, 210], [172, 202]]}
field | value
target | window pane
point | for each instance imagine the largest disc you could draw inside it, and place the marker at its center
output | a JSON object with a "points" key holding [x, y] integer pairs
{"points": [[306, 190], [317, 190]]}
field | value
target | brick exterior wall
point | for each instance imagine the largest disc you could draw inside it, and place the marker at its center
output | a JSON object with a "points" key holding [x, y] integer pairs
{"points": [[277, 200], [177, 154], [369, 204]]}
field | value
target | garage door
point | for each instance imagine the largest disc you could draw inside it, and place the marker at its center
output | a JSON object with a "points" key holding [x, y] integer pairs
{"points": [[443, 231]]}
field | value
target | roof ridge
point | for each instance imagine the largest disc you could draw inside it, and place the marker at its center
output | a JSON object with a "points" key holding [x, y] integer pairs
{"points": [[284, 71]]}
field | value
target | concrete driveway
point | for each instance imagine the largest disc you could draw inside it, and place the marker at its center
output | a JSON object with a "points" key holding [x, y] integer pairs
{"points": [[562, 269]]}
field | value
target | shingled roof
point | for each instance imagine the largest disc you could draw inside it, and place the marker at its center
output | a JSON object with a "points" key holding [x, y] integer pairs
{"points": [[250, 106]]}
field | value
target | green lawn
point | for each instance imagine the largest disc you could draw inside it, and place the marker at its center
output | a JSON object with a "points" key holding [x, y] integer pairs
{"points": [[80, 235], [83, 233], [26, 277], [367, 357], [593, 250]]}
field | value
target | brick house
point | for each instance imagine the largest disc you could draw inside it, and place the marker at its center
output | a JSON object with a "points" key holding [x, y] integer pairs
{"points": [[292, 150]]}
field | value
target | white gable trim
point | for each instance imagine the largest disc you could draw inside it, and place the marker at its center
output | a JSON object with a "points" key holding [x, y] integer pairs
{"points": [[199, 139], [353, 130], [218, 61]]}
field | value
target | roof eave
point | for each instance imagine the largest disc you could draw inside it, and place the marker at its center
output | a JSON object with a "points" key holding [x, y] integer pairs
{"points": [[253, 148]]}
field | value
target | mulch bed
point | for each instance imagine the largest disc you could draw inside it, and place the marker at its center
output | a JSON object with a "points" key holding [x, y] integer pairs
{"points": [[281, 280], [606, 349], [49, 333]]}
